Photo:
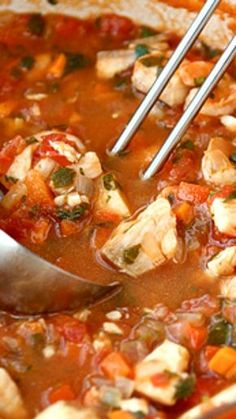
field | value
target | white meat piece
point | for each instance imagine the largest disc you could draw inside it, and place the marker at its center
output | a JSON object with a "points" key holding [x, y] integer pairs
{"points": [[110, 199], [224, 215], [228, 288], [146, 242], [73, 199], [223, 263], [229, 122], [144, 76], [224, 397], [63, 410], [11, 403], [45, 167], [72, 138], [65, 150], [90, 165], [167, 358], [216, 166], [135, 405], [22, 163], [110, 63]]}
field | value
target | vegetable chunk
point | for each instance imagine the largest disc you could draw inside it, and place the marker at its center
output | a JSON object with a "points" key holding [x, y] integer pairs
{"points": [[140, 245]]}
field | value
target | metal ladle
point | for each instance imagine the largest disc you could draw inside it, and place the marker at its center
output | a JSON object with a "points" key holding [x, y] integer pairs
{"points": [[31, 285]]}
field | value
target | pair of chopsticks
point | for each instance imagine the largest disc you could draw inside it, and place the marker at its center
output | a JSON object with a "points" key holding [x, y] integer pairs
{"points": [[162, 81]]}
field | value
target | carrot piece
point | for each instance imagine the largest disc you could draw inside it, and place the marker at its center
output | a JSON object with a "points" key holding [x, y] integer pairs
{"points": [[231, 373], [197, 337], [120, 414], [64, 392], [184, 212], [57, 68], [223, 361], [196, 194], [38, 192], [68, 227], [114, 365]]}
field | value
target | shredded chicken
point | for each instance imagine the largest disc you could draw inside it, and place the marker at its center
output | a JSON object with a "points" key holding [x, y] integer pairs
{"points": [[223, 263]]}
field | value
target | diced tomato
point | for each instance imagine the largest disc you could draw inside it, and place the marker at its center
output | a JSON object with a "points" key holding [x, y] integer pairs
{"points": [[195, 194], [161, 379], [197, 337], [115, 365], [38, 193], [9, 152], [116, 26], [40, 231], [183, 167], [64, 392], [68, 27]]}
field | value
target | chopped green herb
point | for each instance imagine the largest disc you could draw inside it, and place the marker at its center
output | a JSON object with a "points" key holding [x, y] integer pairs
{"points": [[73, 214], [27, 62], [231, 196], [141, 49], [185, 387], [31, 140], [63, 177], [153, 61], [75, 62], [53, 2], [11, 179], [109, 182], [232, 157], [187, 145], [209, 52], [131, 254], [219, 333], [36, 24], [145, 32], [199, 81]]}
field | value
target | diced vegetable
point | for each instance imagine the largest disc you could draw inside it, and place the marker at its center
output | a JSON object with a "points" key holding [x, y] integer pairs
{"points": [[37, 190], [195, 194], [57, 68], [219, 333], [185, 387], [223, 361], [114, 365], [64, 392], [63, 177]]}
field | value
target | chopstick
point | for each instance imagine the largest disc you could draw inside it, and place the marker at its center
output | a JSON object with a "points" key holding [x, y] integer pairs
{"points": [[164, 77], [192, 110]]}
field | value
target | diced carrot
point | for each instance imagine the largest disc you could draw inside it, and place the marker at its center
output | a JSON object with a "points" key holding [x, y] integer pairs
{"points": [[184, 212], [68, 227], [114, 365], [7, 107], [9, 152], [223, 361], [120, 414], [64, 392], [38, 192], [57, 68], [196, 194], [40, 231]]}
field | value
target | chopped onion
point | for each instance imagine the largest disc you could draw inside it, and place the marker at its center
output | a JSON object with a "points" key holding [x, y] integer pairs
{"points": [[84, 185], [125, 386], [14, 195]]}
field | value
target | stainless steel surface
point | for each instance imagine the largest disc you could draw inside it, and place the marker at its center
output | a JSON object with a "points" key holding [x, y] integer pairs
{"points": [[161, 82], [192, 110], [31, 285]]}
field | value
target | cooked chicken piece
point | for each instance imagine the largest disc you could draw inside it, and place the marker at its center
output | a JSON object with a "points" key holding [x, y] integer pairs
{"points": [[110, 63], [89, 165], [146, 242], [69, 137], [216, 165], [110, 200], [145, 74], [62, 410], [11, 404], [170, 359], [223, 263], [229, 122], [224, 397], [194, 73], [228, 288], [223, 213], [223, 100], [66, 151], [22, 163], [45, 167]]}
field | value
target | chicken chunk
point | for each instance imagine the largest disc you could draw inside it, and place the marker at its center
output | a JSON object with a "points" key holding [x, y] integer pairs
{"points": [[229, 122], [149, 240], [223, 213], [168, 360], [223, 263], [110, 63], [228, 288], [11, 404], [216, 165], [62, 410], [145, 72], [89, 165], [110, 199], [224, 397], [22, 163]]}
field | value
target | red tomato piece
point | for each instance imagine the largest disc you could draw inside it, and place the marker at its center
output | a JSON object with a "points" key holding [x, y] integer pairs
{"points": [[9, 152], [183, 167], [71, 329], [45, 149], [64, 392], [196, 194], [38, 192], [197, 337], [69, 27], [116, 26], [160, 380]]}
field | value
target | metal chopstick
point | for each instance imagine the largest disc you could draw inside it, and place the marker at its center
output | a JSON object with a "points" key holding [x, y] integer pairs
{"points": [[163, 79], [192, 110]]}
